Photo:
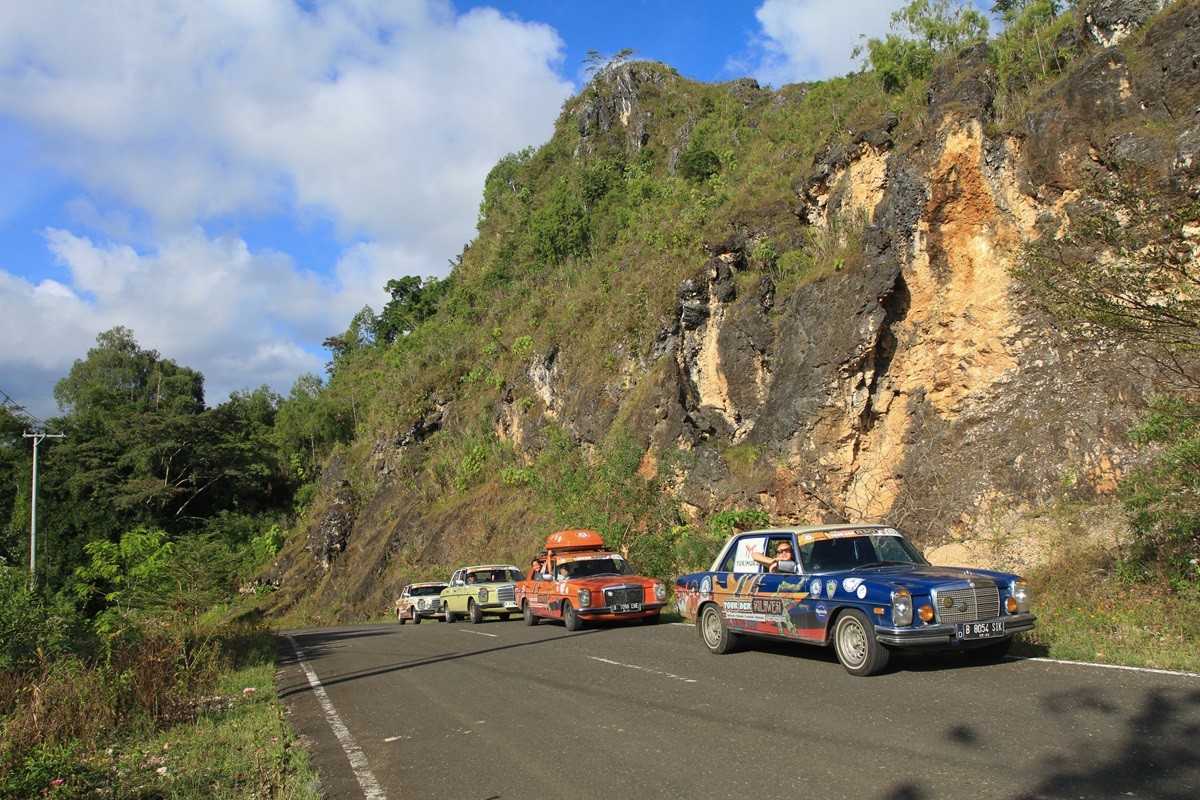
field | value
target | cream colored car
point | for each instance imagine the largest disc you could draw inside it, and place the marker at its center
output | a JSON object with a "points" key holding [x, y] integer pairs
{"points": [[419, 600], [484, 589]]}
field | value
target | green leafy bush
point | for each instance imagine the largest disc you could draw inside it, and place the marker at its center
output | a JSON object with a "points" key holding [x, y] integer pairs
{"points": [[31, 627], [697, 165], [925, 31]]}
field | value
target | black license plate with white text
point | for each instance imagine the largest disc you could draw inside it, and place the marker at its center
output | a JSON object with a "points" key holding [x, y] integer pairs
{"points": [[979, 630]]}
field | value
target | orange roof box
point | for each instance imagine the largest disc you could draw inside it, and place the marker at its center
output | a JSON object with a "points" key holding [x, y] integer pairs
{"points": [[565, 541]]}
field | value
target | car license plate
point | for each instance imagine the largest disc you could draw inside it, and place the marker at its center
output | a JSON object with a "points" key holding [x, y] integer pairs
{"points": [[626, 608], [980, 630]]}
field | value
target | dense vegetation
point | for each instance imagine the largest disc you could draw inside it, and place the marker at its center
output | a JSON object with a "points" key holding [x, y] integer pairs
{"points": [[154, 510]]}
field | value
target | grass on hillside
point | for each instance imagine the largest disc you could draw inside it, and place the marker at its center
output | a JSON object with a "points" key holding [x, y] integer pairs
{"points": [[1088, 612]]}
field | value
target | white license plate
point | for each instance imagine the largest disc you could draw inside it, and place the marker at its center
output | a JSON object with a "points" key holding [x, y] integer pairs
{"points": [[626, 608], [980, 630]]}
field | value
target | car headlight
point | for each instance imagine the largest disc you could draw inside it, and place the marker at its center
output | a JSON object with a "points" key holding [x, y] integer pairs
{"points": [[483, 595], [1022, 595], [660, 592], [585, 597], [421, 604], [902, 608]]}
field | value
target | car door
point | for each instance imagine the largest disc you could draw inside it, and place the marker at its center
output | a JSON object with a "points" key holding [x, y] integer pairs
{"points": [[453, 597], [755, 600], [731, 582]]}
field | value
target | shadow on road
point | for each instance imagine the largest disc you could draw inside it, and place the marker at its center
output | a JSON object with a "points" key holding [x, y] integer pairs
{"points": [[314, 651], [1156, 757]]}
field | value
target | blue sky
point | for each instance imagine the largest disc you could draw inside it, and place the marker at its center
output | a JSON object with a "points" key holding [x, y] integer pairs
{"points": [[233, 180]]}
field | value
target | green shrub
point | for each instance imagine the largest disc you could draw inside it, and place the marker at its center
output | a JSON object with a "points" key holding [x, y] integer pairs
{"points": [[31, 627], [1026, 54], [697, 165], [1162, 496]]}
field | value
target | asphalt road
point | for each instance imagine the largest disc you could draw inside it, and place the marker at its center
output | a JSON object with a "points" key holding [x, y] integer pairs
{"points": [[502, 710]]}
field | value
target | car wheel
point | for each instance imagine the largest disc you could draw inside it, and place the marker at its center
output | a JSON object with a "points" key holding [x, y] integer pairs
{"points": [[990, 652], [449, 615], [474, 612], [652, 619], [857, 649], [715, 633], [416, 618], [530, 619], [399, 616], [570, 618]]}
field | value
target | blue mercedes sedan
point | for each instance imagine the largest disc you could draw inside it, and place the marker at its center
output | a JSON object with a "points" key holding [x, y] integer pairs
{"points": [[864, 589]]}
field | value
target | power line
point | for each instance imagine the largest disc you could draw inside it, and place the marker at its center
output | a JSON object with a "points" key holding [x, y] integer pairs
{"points": [[13, 405]]}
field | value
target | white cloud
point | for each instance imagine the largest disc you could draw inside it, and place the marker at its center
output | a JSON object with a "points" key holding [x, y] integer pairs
{"points": [[383, 114], [207, 304], [807, 40], [380, 116]]}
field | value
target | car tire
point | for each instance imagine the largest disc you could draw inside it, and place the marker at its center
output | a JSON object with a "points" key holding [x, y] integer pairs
{"points": [[527, 612], [570, 618], [416, 618], [856, 646], [714, 632], [990, 652], [474, 612], [449, 615]]}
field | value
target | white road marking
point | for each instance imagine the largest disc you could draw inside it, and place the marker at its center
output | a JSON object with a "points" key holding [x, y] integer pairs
{"points": [[358, 762], [1148, 670], [643, 669], [480, 633]]}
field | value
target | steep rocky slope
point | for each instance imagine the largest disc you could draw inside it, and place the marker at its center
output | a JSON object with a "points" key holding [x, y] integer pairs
{"points": [[919, 384]]}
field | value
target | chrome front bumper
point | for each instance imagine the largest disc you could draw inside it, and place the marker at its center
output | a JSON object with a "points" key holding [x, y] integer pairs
{"points": [[947, 633]]}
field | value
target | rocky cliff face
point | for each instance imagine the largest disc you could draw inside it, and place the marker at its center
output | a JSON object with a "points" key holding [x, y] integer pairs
{"points": [[922, 386], [927, 380]]}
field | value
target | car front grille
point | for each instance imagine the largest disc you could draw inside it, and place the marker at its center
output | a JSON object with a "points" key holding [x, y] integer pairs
{"points": [[623, 594], [507, 593], [967, 604]]}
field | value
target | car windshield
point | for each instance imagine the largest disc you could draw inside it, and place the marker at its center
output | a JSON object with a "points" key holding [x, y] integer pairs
{"points": [[595, 567], [421, 591], [858, 552], [496, 575]]}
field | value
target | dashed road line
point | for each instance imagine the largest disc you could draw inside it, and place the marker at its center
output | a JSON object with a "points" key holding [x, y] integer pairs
{"points": [[643, 669]]}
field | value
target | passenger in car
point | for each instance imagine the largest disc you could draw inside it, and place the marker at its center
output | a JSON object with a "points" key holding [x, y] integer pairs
{"points": [[784, 559]]}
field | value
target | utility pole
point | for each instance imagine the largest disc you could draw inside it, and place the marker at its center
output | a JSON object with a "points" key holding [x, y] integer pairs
{"points": [[37, 437]]}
